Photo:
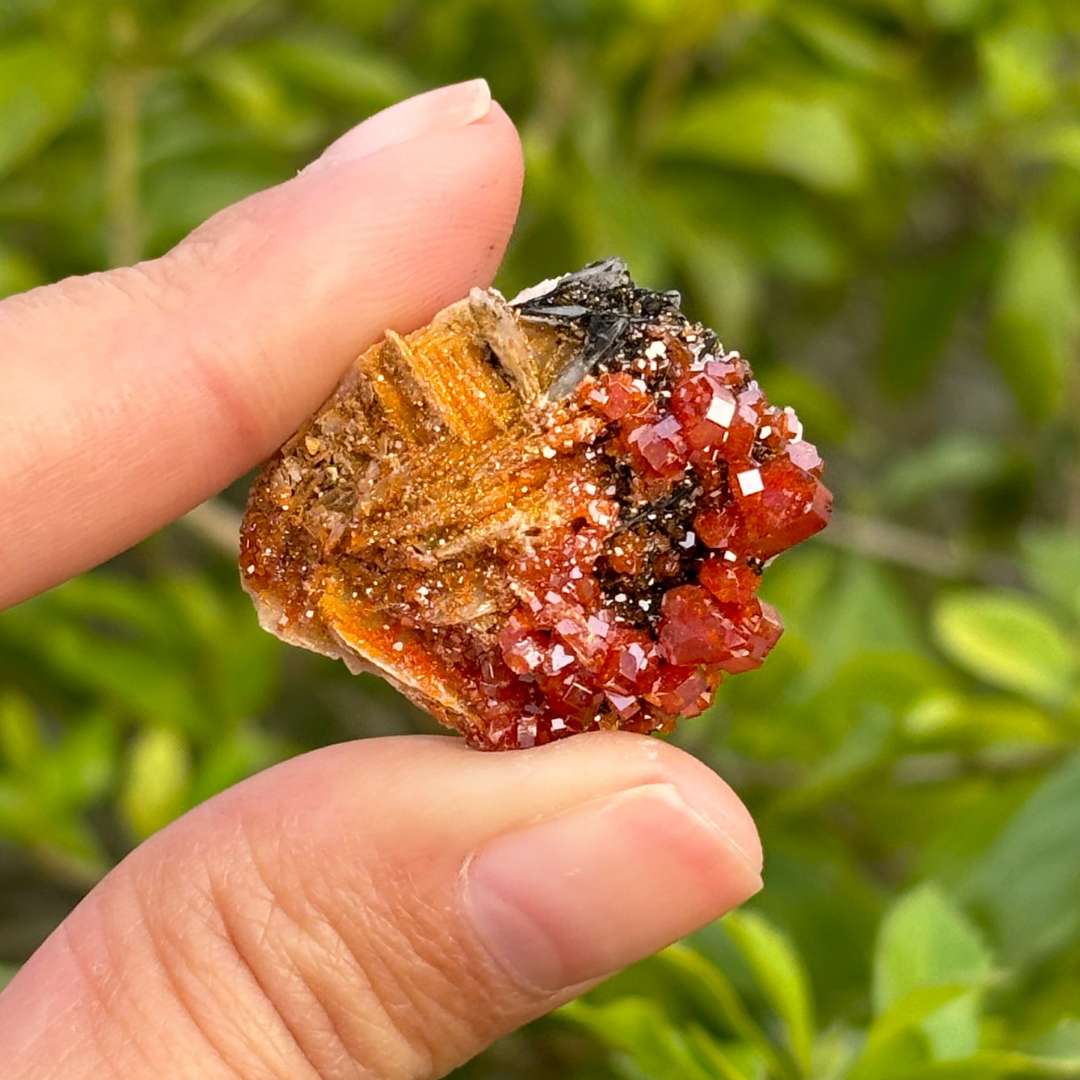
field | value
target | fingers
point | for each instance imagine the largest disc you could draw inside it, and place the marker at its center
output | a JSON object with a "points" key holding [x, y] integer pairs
{"points": [[131, 396], [383, 909]]}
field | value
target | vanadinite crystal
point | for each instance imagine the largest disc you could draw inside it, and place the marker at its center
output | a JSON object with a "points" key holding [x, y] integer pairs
{"points": [[538, 517]]}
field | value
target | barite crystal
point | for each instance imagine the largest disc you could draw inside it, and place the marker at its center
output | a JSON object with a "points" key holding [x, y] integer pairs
{"points": [[540, 516]]}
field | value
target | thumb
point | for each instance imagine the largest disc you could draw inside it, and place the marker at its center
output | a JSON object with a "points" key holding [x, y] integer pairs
{"points": [[380, 909]]}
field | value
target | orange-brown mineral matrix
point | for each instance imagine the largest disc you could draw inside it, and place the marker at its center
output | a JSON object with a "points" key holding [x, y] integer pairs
{"points": [[538, 517]]}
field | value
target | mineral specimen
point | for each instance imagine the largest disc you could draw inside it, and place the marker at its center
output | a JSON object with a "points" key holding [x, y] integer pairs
{"points": [[538, 517]]}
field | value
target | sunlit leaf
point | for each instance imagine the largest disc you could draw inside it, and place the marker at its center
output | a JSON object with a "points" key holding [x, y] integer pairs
{"points": [[1007, 640], [924, 941], [895, 1037], [980, 719], [157, 778], [21, 741], [1058, 143], [20, 814], [1018, 57], [204, 20]]}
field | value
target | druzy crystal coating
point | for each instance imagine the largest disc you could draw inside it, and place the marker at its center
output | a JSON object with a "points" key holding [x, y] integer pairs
{"points": [[538, 517]]}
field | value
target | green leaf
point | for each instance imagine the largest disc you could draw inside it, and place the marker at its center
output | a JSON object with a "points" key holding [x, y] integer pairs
{"points": [[820, 406], [640, 1028], [763, 129], [257, 98], [342, 71], [21, 743], [82, 768], [150, 683], [1052, 563], [864, 613], [20, 812], [840, 36], [246, 750], [719, 999], [958, 460], [1007, 640], [956, 14], [923, 300], [1029, 878], [17, 272], [1062, 1041], [981, 719], [896, 1034], [861, 750], [157, 781], [926, 941], [1033, 328], [40, 88], [724, 279], [780, 972], [989, 1065], [202, 21], [1058, 143], [728, 1061], [1018, 60], [182, 194], [613, 213]]}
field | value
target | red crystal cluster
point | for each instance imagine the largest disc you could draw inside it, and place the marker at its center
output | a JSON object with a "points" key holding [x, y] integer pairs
{"points": [[616, 629]]}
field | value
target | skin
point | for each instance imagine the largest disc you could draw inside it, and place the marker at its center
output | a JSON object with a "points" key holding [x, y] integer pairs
{"points": [[385, 908]]}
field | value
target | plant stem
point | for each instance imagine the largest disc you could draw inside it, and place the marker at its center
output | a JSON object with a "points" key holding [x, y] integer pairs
{"points": [[924, 552], [122, 90]]}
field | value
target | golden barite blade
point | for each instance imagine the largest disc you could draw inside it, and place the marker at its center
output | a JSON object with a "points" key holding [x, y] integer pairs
{"points": [[537, 517]]}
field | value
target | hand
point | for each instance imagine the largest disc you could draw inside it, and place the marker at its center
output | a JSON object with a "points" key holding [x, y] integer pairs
{"points": [[380, 909]]}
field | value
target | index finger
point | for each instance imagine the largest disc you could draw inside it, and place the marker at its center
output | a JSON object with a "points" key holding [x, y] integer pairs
{"points": [[131, 396]]}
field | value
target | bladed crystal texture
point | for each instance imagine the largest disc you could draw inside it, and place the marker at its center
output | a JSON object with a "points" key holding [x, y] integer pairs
{"points": [[540, 516]]}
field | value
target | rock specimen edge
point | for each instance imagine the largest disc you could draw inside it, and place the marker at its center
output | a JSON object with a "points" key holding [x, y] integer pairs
{"points": [[539, 516]]}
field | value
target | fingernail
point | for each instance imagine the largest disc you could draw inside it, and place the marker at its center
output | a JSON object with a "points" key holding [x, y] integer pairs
{"points": [[443, 109], [579, 896]]}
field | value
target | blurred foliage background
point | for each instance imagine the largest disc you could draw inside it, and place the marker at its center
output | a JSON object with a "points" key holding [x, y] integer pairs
{"points": [[878, 201]]}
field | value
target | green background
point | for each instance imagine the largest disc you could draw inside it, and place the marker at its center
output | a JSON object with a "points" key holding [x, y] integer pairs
{"points": [[878, 202]]}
